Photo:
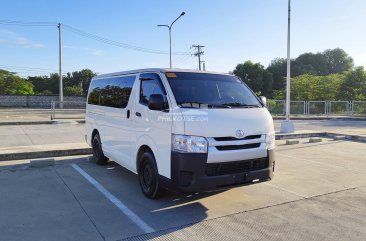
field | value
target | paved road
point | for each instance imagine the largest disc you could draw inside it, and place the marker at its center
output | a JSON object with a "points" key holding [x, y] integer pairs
{"points": [[319, 193], [14, 136], [28, 114], [45, 134], [338, 126]]}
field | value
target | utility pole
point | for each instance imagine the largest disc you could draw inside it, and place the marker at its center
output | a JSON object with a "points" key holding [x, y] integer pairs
{"points": [[60, 64], [198, 54], [287, 126]]}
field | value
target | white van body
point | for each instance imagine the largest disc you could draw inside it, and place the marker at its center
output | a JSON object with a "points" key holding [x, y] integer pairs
{"points": [[235, 144]]}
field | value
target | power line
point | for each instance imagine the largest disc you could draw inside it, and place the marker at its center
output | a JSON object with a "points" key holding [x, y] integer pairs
{"points": [[116, 43], [23, 69], [26, 23], [31, 72], [88, 35], [184, 58]]}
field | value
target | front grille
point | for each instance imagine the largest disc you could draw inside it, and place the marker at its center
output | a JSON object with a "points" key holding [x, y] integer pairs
{"points": [[225, 168], [230, 138], [237, 147]]}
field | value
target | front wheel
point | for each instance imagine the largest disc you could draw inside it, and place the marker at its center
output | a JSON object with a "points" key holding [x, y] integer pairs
{"points": [[98, 154], [149, 176]]}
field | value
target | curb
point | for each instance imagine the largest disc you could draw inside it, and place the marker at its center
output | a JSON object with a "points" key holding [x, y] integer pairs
{"points": [[348, 137], [11, 123], [274, 118], [322, 118], [300, 135], [320, 134], [44, 154], [88, 151]]}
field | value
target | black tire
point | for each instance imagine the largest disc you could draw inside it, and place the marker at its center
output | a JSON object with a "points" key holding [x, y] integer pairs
{"points": [[149, 176], [98, 154]]}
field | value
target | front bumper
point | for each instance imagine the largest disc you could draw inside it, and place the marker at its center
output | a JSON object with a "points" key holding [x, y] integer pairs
{"points": [[189, 173]]}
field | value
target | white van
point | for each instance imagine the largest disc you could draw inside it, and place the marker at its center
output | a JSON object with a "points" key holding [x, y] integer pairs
{"points": [[177, 129]]}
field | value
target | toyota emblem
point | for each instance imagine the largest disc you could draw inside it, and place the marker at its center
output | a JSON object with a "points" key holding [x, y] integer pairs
{"points": [[239, 133]]}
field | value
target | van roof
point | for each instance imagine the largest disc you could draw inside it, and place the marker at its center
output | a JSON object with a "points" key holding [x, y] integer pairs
{"points": [[162, 70]]}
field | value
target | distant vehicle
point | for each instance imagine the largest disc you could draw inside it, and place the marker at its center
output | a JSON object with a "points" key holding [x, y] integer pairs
{"points": [[180, 129]]}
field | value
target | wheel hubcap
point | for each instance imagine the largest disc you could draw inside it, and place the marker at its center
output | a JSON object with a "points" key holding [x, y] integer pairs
{"points": [[96, 148], [147, 177]]}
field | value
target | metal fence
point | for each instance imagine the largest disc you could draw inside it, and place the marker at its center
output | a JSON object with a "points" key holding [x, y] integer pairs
{"points": [[76, 109], [318, 108], [67, 110], [358, 107]]}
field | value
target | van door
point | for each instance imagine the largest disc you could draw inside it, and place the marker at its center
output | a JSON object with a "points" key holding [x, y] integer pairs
{"points": [[153, 127], [116, 122]]}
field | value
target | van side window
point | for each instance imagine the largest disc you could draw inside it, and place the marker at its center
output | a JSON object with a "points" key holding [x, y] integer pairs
{"points": [[150, 84], [94, 93], [111, 92]]}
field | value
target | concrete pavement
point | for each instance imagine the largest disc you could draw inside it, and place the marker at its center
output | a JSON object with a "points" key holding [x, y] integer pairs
{"points": [[38, 115], [333, 126], [21, 141], [29, 135], [318, 193], [59, 133]]}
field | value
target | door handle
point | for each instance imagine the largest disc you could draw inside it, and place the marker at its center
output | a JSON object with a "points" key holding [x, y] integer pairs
{"points": [[138, 114], [128, 114]]}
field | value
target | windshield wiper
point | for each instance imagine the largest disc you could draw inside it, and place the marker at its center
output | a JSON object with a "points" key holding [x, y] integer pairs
{"points": [[237, 104], [192, 104]]}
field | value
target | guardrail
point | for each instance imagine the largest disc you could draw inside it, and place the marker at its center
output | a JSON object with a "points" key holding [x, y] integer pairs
{"points": [[318, 108], [67, 110], [76, 109]]}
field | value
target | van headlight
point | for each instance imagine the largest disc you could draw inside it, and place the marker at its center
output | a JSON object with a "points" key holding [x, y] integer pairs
{"points": [[191, 144], [270, 140]]}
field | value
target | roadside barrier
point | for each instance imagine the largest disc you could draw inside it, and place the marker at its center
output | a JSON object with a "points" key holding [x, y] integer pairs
{"points": [[318, 108]]}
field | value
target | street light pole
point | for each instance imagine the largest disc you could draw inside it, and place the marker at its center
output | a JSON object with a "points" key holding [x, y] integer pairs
{"points": [[288, 76], [61, 99], [170, 36], [170, 47], [287, 126]]}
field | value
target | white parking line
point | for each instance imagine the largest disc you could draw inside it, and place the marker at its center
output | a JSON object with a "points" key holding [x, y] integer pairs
{"points": [[131, 215]]}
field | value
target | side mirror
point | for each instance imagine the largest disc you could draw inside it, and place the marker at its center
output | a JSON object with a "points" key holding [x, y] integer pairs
{"points": [[156, 102], [264, 100]]}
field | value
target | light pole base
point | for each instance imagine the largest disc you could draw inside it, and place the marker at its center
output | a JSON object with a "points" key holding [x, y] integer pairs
{"points": [[287, 126]]}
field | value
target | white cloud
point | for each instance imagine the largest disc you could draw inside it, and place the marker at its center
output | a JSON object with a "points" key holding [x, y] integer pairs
{"points": [[11, 38]]}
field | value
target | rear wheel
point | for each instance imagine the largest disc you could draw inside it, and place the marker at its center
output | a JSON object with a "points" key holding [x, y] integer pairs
{"points": [[149, 176], [98, 154]]}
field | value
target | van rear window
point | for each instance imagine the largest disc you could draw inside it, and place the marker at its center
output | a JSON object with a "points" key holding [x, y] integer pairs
{"points": [[111, 92]]}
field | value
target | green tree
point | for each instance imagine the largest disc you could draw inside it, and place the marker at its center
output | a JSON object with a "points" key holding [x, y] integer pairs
{"points": [[278, 68], [338, 61], [81, 78], [45, 84], [10, 83], [75, 90], [354, 85], [267, 84], [310, 87], [331, 61], [309, 63], [255, 76]]}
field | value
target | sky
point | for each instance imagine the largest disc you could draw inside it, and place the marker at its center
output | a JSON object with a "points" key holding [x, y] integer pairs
{"points": [[232, 32]]}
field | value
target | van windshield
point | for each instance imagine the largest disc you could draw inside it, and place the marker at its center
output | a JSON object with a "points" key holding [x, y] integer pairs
{"points": [[202, 90]]}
